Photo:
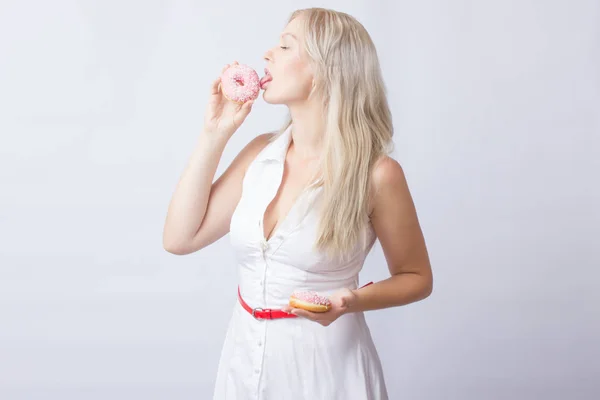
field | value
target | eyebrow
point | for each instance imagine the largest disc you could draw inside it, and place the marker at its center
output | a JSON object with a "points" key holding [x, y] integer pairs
{"points": [[291, 34]]}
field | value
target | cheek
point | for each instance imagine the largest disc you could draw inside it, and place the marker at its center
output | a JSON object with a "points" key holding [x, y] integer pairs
{"points": [[300, 76]]}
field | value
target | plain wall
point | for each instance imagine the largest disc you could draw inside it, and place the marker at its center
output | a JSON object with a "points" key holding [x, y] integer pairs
{"points": [[496, 110]]}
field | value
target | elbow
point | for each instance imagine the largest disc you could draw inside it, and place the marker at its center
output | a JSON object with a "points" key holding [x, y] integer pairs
{"points": [[175, 247], [424, 285], [428, 287], [428, 290], [178, 251], [169, 248]]}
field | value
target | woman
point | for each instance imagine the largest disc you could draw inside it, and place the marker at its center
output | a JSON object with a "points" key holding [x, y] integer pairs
{"points": [[303, 207]]}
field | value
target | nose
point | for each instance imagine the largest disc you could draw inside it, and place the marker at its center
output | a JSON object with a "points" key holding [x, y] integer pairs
{"points": [[268, 56]]}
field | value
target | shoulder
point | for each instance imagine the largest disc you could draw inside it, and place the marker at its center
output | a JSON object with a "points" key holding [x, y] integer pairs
{"points": [[387, 171], [253, 148], [387, 180], [258, 143]]}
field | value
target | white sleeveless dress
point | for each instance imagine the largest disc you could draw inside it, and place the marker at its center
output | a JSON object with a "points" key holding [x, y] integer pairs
{"points": [[291, 358]]}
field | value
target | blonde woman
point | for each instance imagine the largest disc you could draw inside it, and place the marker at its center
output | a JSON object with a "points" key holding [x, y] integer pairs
{"points": [[303, 207]]}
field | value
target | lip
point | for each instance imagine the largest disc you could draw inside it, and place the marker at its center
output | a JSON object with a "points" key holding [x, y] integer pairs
{"points": [[265, 79]]}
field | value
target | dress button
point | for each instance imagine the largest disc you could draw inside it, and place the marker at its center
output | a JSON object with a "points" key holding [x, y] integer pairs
{"points": [[257, 371], [259, 343]]}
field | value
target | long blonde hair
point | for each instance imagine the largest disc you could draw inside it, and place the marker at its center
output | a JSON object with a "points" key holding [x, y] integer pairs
{"points": [[358, 123]]}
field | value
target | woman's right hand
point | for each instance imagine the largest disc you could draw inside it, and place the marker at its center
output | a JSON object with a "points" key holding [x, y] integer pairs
{"points": [[223, 116]]}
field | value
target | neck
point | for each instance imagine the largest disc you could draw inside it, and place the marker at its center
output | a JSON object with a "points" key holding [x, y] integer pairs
{"points": [[307, 132]]}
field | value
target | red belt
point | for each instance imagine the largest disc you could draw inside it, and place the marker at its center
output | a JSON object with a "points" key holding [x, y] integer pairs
{"points": [[264, 313], [269, 313]]}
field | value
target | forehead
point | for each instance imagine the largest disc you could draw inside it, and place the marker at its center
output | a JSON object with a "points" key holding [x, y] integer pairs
{"points": [[295, 28]]}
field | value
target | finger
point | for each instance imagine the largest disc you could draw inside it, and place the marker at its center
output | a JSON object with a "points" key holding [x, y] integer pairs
{"points": [[225, 68], [244, 110], [286, 309], [247, 106], [214, 87], [304, 314]]}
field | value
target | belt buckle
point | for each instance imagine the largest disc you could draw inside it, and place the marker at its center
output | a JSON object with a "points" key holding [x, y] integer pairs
{"points": [[254, 310]]}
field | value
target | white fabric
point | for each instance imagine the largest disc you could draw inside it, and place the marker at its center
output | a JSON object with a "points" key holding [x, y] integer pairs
{"points": [[291, 358]]}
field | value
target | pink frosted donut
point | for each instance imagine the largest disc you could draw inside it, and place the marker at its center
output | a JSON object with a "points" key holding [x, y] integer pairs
{"points": [[309, 300], [240, 83]]}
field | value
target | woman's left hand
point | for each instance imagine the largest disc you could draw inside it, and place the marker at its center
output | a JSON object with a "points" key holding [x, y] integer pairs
{"points": [[340, 305]]}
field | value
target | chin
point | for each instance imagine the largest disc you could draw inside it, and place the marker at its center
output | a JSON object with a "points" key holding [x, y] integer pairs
{"points": [[272, 99]]}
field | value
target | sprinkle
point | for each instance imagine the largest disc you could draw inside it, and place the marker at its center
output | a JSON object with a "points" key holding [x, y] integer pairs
{"points": [[311, 297], [240, 83]]}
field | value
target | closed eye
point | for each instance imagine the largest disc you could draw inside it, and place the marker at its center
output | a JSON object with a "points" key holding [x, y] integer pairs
{"points": [[284, 47]]}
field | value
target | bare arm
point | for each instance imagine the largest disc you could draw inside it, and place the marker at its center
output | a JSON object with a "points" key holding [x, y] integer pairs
{"points": [[399, 232], [396, 224], [200, 210]]}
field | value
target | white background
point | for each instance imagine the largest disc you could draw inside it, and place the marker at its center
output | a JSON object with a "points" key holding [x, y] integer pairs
{"points": [[497, 124]]}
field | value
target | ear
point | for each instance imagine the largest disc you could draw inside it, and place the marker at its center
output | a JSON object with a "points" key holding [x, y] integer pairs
{"points": [[312, 89]]}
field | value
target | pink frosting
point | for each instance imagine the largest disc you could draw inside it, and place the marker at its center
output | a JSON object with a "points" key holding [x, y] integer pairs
{"points": [[240, 83], [311, 297]]}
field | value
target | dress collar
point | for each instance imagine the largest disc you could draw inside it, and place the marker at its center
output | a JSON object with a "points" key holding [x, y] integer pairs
{"points": [[277, 150]]}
